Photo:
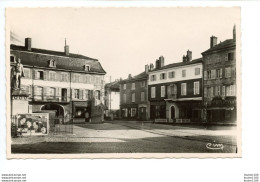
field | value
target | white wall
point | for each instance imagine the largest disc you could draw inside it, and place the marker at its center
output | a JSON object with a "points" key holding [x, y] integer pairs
{"points": [[190, 74]]}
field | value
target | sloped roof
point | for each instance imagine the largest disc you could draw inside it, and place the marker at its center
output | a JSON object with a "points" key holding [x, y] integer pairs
{"points": [[195, 61], [223, 45], [112, 85], [41, 58], [140, 76]]}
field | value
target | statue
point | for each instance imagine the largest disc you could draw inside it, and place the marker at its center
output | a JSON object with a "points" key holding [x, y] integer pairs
{"points": [[16, 74]]}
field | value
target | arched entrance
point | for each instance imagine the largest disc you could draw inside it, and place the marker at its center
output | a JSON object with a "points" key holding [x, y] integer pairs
{"points": [[172, 112], [60, 112]]}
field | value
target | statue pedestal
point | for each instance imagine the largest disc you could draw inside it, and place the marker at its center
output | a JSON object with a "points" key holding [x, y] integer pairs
{"points": [[19, 102]]}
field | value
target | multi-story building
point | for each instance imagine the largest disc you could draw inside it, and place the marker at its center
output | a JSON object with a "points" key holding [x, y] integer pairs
{"points": [[134, 98], [220, 80], [70, 84], [112, 99], [175, 90]]}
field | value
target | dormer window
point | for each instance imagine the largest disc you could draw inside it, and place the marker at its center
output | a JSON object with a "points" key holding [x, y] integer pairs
{"points": [[87, 67], [52, 63]]}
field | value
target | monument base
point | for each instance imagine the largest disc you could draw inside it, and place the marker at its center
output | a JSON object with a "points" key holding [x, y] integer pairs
{"points": [[19, 102]]}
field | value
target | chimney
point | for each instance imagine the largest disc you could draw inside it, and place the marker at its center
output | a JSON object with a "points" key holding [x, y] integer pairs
{"points": [[146, 68], [161, 58], [189, 55], [66, 49], [213, 41], [129, 76], [28, 44], [151, 66], [184, 58], [157, 65], [234, 33]]}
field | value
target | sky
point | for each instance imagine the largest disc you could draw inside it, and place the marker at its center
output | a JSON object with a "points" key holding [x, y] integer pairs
{"points": [[124, 40]]}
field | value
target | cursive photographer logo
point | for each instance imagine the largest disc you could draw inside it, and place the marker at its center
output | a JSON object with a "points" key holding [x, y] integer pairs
{"points": [[215, 146]]}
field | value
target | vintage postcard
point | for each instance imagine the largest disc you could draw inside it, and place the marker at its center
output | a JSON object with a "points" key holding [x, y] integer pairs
{"points": [[123, 82]]}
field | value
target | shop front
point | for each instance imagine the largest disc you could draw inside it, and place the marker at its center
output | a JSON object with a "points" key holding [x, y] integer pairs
{"points": [[81, 111], [129, 112]]}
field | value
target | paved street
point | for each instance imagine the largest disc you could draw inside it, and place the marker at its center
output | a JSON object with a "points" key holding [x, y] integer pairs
{"points": [[133, 137]]}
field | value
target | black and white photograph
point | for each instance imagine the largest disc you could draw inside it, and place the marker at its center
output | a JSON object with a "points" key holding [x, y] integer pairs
{"points": [[123, 82]]}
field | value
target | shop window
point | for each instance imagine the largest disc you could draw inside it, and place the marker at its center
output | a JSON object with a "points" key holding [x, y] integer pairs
{"points": [[133, 112]]}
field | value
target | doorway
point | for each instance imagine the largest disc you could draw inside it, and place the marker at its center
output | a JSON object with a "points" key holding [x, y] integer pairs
{"points": [[142, 113], [172, 112]]}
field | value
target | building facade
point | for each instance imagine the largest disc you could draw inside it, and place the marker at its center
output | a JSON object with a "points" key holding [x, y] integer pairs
{"points": [[220, 80], [134, 97], [72, 85], [112, 100], [175, 90]]}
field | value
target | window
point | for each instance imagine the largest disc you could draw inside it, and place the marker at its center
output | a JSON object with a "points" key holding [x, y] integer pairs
{"points": [[76, 93], [196, 88], [172, 74], [219, 73], [88, 78], [230, 56], [213, 74], [208, 75], [124, 86], [183, 73], [76, 78], [230, 90], [124, 98], [26, 72], [52, 76], [87, 67], [228, 72], [142, 96], [217, 91], [52, 63], [183, 89], [143, 84], [87, 94], [197, 71], [12, 59], [97, 94], [153, 92], [39, 75], [153, 77], [64, 77], [133, 112], [211, 91], [162, 76], [39, 92], [133, 97], [133, 86], [52, 92], [223, 91], [162, 91]]}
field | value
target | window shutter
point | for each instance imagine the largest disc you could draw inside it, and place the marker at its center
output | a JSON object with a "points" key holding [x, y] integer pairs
{"points": [[68, 94], [35, 90], [35, 74], [84, 94], [30, 90], [45, 75], [44, 92], [80, 94], [205, 92], [205, 75], [73, 93]]}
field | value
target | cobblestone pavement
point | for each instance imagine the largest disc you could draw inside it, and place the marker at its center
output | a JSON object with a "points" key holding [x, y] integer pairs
{"points": [[128, 137]]}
